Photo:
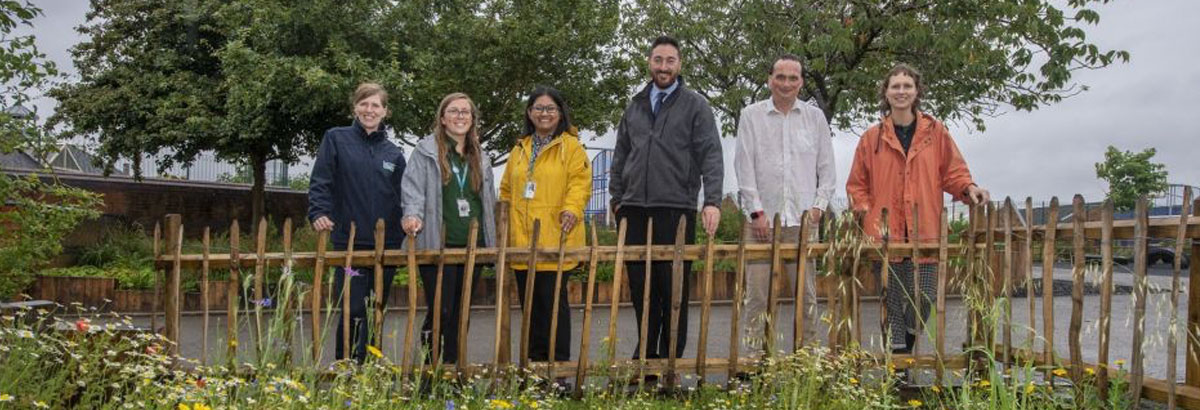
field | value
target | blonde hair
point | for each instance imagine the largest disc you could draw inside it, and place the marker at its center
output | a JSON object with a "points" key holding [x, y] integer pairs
{"points": [[366, 90], [471, 150]]}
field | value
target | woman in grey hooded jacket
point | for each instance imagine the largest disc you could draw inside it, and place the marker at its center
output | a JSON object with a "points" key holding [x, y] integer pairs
{"points": [[447, 184]]}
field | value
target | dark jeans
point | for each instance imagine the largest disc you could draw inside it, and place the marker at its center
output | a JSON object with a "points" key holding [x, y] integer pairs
{"points": [[452, 290], [543, 308], [658, 342], [362, 293]]}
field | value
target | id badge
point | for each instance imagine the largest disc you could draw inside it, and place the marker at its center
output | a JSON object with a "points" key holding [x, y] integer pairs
{"points": [[530, 188], [464, 208]]}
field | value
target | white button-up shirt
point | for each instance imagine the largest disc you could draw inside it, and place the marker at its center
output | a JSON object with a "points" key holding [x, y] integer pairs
{"points": [[784, 163]]}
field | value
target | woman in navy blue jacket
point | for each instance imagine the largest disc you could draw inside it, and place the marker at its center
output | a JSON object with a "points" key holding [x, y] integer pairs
{"points": [[356, 178]]}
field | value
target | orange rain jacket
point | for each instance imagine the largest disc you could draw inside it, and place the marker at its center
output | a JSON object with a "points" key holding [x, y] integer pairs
{"points": [[882, 176]]}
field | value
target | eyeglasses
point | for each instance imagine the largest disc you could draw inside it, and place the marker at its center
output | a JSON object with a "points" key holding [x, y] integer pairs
{"points": [[458, 113], [546, 109]]}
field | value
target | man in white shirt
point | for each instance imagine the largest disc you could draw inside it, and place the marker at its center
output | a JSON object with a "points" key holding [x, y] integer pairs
{"points": [[784, 166]]}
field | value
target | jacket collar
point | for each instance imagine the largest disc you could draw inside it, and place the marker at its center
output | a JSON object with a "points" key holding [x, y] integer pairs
{"points": [[379, 134], [644, 95], [526, 141], [887, 134]]}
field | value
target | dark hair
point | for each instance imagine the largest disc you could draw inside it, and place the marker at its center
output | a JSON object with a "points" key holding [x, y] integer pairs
{"points": [[564, 112], [786, 57], [661, 40], [907, 70]]}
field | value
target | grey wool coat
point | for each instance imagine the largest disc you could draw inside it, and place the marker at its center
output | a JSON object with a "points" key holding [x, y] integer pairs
{"points": [[421, 196]]}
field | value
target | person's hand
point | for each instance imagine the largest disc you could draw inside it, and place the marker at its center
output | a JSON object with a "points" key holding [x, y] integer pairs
{"points": [[814, 215], [760, 228], [978, 195], [711, 218], [567, 220], [322, 223], [411, 225]]}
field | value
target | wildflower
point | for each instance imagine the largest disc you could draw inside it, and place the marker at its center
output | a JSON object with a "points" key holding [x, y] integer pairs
{"points": [[374, 351], [41, 404], [914, 403], [1029, 388], [24, 334], [500, 404], [910, 361], [201, 406], [232, 342], [1090, 371], [936, 389], [853, 381], [264, 302], [4, 398], [82, 325], [1120, 362], [1060, 372], [351, 272], [985, 383], [183, 407], [449, 404]]}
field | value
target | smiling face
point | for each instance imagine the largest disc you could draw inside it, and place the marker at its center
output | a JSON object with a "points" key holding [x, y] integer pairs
{"points": [[370, 112], [785, 81], [545, 115], [664, 65], [901, 92], [457, 118]]}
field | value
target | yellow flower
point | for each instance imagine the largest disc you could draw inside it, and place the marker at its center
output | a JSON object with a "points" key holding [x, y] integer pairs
{"points": [[853, 381], [1060, 372], [914, 403], [374, 351], [41, 404], [910, 361], [985, 383], [201, 406], [500, 404], [232, 342], [184, 407], [1029, 388], [1120, 362], [1090, 371], [6, 398], [936, 389]]}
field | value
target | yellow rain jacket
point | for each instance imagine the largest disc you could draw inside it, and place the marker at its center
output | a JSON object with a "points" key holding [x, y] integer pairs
{"points": [[562, 174]]}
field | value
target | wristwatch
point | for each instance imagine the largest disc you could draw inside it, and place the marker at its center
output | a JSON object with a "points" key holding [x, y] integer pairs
{"points": [[755, 215]]}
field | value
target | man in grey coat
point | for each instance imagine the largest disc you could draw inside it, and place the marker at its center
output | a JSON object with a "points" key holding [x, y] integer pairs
{"points": [[667, 148]]}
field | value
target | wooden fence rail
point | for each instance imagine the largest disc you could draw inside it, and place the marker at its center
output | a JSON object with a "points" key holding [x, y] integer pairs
{"points": [[1000, 242]]}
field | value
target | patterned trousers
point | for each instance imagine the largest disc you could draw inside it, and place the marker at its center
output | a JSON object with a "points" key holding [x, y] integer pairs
{"points": [[902, 314]]}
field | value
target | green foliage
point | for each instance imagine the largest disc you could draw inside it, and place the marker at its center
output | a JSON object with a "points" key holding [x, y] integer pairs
{"points": [[299, 182], [35, 217], [128, 278], [497, 51], [977, 57], [22, 68], [1131, 176]]}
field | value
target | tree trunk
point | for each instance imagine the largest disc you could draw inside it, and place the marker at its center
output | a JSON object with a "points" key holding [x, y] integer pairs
{"points": [[258, 197]]}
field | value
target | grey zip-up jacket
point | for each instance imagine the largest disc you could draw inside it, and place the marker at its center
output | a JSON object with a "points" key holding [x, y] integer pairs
{"points": [[421, 196], [661, 161]]}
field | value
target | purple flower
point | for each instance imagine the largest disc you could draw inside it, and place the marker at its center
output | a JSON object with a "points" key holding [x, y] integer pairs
{"points": [[264, 302], [351, 272], [449, 404]]}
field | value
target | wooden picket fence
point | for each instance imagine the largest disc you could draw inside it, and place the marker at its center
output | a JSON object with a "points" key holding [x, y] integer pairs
{"points": [[995, 238]]}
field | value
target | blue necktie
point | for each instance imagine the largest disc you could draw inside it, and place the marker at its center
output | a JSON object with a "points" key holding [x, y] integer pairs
{"points": [[661, 98]]}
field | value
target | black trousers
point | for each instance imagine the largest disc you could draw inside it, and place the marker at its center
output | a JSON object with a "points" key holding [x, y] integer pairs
{"points": [[658, 341], [452, 290], [542, 310], [362, 292]]}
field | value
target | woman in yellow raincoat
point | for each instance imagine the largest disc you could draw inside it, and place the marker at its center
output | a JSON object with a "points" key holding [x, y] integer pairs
{"points": [[548, 178]]}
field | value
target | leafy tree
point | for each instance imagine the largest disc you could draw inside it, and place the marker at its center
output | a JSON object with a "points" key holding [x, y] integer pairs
{"points": [[498, 50], [35, 211], [251, 80], [977, 57], [1131, 176]]}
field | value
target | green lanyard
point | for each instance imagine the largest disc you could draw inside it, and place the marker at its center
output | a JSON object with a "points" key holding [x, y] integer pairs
{"points": [[460, 174]]}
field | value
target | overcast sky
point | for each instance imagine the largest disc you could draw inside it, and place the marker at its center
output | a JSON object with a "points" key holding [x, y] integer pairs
{"points": [[1145, 103]]}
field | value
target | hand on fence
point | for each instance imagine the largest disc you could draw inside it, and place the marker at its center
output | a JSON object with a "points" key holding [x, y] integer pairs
{"points": [[322, 223], [411, 225], [978, 195], [712, 217], [761, 228], [567, 220]]}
